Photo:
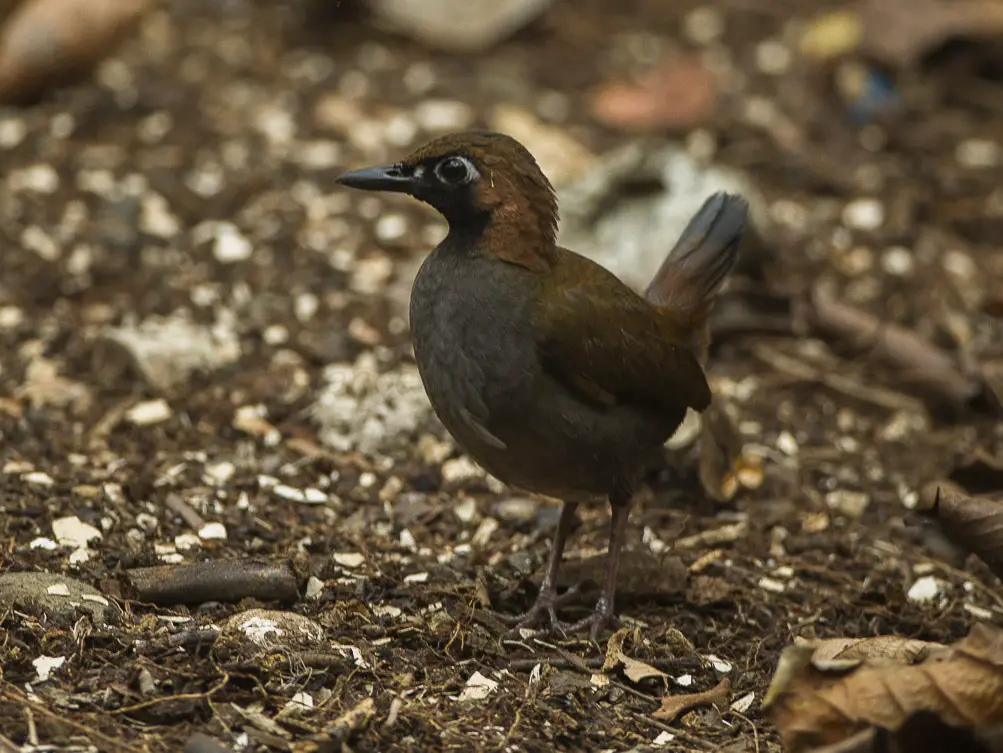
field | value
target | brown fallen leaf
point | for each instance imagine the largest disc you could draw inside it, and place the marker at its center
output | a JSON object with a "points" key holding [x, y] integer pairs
{"points": [[678, 93], [722, 468], [634, 669], [674, 705], [900, 32], [922, 732], [973, 523], [47, 42], [881, 649], [962, 685]]}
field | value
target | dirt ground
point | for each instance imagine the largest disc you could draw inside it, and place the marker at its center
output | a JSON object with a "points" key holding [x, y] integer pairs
{"points": [[207, 96]]}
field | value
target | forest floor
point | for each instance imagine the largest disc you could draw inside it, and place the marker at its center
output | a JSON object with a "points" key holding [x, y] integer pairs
{"points": [[244, 113]]}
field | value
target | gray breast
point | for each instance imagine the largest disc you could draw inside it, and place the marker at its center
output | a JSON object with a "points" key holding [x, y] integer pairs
{"points": [[474, 349]]}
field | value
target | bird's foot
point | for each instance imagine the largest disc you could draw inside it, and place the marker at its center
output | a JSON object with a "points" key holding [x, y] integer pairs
{"points": [[602, 617], [543, 613]]}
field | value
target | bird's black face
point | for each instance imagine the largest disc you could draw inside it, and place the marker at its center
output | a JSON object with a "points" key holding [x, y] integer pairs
{"points": [[447, 182]]}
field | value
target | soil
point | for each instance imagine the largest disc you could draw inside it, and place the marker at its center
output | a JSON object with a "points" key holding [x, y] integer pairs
{"points": [[209, 92]]}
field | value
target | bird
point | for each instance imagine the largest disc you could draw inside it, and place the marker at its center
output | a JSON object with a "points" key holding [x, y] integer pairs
{"points": [[553, 374]]}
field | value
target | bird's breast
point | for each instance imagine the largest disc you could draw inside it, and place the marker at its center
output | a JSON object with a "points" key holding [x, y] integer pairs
{"points": [[472, 335]]}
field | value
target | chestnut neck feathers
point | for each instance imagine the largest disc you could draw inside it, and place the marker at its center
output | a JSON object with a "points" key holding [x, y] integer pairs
{"points": [[508, 208]]}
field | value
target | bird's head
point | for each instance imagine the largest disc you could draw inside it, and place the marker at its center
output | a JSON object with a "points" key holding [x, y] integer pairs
{"points": [[476, 178]]}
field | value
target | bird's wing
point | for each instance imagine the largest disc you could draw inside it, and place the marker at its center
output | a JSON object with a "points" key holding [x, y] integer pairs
{"points": [[610, 347]]}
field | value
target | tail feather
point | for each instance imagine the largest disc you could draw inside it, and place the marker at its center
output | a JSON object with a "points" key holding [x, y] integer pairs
{"points": [[703, 256]]}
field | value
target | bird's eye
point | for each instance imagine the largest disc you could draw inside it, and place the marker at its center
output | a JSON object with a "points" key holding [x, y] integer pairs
{"points": [[455, 171]]}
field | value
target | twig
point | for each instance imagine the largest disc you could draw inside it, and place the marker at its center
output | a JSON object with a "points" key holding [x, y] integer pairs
{"points": [[596, 663], [220, 580], [921, 360], [93, 735], [180, 697], [186, 512], [674, 731]]}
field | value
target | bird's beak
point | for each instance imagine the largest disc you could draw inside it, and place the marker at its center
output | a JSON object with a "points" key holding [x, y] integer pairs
{"points": [[389, 178]]}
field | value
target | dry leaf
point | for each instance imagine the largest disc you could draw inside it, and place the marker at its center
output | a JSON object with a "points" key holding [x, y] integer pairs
{"points": [[922, 732], [899, 32], [43, 386], [45, 42], [720, 454], [679, 93], [674, 705], [634, 669], [973, 523], [962, 685], [882, 649]]}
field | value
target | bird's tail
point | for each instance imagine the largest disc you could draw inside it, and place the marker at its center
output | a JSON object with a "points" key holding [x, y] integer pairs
{"points": [[705, 253]]}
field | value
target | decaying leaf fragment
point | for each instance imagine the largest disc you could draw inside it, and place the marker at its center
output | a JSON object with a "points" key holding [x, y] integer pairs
{"points": [[963, 686], [723, 467], [634, 669], [674, 705], [922, 732], [973, 523], [881, 649]]}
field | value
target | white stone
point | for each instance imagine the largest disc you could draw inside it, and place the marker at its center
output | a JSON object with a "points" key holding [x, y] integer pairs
{"points": [[442, 115], [73, 532], [978, 153], [459, 25], [230, 244], [149, 412], [898, 261], [351, 560], [864, 214], [213, 531], [925, 590]]}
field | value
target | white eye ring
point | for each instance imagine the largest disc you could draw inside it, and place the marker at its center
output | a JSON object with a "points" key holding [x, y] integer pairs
{"points": [[450, 165]]}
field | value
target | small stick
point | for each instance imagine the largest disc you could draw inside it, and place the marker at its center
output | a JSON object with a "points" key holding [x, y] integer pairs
{"points": [[894, 345], [186, 512], [221, 580]]}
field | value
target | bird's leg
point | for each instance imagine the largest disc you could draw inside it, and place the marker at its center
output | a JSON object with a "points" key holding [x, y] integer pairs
{"points": [[547, 601], [603, 615]]}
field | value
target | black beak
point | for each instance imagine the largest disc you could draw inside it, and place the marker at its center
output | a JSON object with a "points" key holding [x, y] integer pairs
{"points": [[389, 178]]}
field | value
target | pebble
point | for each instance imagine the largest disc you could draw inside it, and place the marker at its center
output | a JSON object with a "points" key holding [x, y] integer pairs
{"points": [[73, 532], [772, 585], [773, 57], [978, 153], [48, 595], [38, 478], [849, 503], [219, 473], [925, 590], [703, 25], [864, 214], [460, 471], [314, 588], [390, 227], [351, 560], [213, 532], [458, 25], [898, 261], [442, 115], [230, 244], [516, 510], [149, 412]]}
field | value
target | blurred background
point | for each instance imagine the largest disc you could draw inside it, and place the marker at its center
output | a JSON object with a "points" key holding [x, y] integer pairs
{"points": [[203, 341]]}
